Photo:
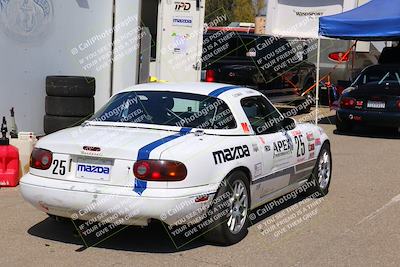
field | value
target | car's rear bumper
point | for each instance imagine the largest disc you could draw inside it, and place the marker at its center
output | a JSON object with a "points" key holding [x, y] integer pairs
{"points": [[85, 201], [373, 118]]}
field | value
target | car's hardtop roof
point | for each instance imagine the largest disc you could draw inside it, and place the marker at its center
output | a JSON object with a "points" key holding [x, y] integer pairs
{"points": [[200, 88]]}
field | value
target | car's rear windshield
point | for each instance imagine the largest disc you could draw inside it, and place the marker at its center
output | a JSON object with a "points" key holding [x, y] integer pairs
{"points": [[379, 74], [167, 108]]}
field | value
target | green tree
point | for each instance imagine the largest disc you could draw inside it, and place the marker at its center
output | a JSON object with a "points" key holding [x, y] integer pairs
{"points": [[215, 8], [236, 10], [243, 11]]}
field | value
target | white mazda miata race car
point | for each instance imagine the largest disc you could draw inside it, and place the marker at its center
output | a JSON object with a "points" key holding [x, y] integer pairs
{"points": [[194, 153]]}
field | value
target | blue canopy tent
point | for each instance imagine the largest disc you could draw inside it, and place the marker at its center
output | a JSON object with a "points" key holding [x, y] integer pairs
{"points": [[378, 20]]}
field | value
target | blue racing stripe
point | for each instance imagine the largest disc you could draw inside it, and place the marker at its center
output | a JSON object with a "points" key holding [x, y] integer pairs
{"points": [[144, 154], [219, 91]]}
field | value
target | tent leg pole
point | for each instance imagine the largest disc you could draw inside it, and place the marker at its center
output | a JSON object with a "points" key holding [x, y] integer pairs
{"points": [[318, 77]]}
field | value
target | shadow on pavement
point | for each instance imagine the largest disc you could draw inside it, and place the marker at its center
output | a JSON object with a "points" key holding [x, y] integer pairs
{"points": [[151, 239], [371, 132], [364, 130], [288, 203], [330, 120]]}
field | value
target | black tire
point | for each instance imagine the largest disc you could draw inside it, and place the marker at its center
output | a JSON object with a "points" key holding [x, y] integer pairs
{"points": [[69, 106], [53, 123], [70, 86], [343, 126], [218, 231], [322, 188]]}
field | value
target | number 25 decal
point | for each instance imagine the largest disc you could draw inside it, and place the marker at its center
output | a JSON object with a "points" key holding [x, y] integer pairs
{"points": [[301, 147], [59, 167]]}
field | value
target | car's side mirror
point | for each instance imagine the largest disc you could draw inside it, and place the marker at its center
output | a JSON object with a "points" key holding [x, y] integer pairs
{"points": [[288, 124]]}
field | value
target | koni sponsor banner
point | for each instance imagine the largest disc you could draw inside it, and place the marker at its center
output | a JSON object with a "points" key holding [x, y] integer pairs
{"points": [[299, 18]]}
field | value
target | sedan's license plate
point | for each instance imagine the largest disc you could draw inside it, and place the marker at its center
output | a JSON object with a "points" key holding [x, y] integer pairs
{"points": [[97, 169], [376, 104]]}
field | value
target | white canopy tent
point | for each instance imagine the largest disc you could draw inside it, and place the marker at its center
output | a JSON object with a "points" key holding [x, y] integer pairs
{"points": [[300, 19]]}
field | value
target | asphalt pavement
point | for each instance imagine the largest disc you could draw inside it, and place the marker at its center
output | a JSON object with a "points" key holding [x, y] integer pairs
{"points": [[356, 224]]}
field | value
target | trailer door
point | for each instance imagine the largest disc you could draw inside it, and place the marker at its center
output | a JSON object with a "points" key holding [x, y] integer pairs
{"points": [[180, 40]]}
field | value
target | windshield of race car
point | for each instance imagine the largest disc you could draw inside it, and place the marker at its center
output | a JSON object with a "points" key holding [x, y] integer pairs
{"points": [[379, 75], [167, 108]]}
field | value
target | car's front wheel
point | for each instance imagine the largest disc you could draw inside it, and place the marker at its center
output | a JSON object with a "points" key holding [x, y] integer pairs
{"points": [[228, 213], [323, 171]]}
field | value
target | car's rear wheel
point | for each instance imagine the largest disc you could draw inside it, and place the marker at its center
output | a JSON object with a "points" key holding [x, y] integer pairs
{"points": [[343, 126], [322, 172], [229, 210]]}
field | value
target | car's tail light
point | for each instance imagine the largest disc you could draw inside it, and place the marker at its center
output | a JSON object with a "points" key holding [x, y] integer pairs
{"points": [[210, 76], [159, 170], [339, 56], [41, 159], [359, 103], [398, 104], [347, 102]]}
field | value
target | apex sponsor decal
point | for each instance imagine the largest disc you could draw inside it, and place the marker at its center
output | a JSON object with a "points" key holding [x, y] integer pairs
{"points": [[282, 148], [230, 154]]}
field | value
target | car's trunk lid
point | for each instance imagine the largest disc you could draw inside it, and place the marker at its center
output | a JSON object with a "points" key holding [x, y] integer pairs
{"points": [[376, 97], [104, 154]]}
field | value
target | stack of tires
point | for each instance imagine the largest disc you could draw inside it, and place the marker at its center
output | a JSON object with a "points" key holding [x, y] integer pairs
{"points": [[69, 101]]}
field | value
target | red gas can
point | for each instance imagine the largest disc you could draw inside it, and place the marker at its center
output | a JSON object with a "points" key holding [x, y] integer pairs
{"points": [[9, 166], [9, 160]]}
